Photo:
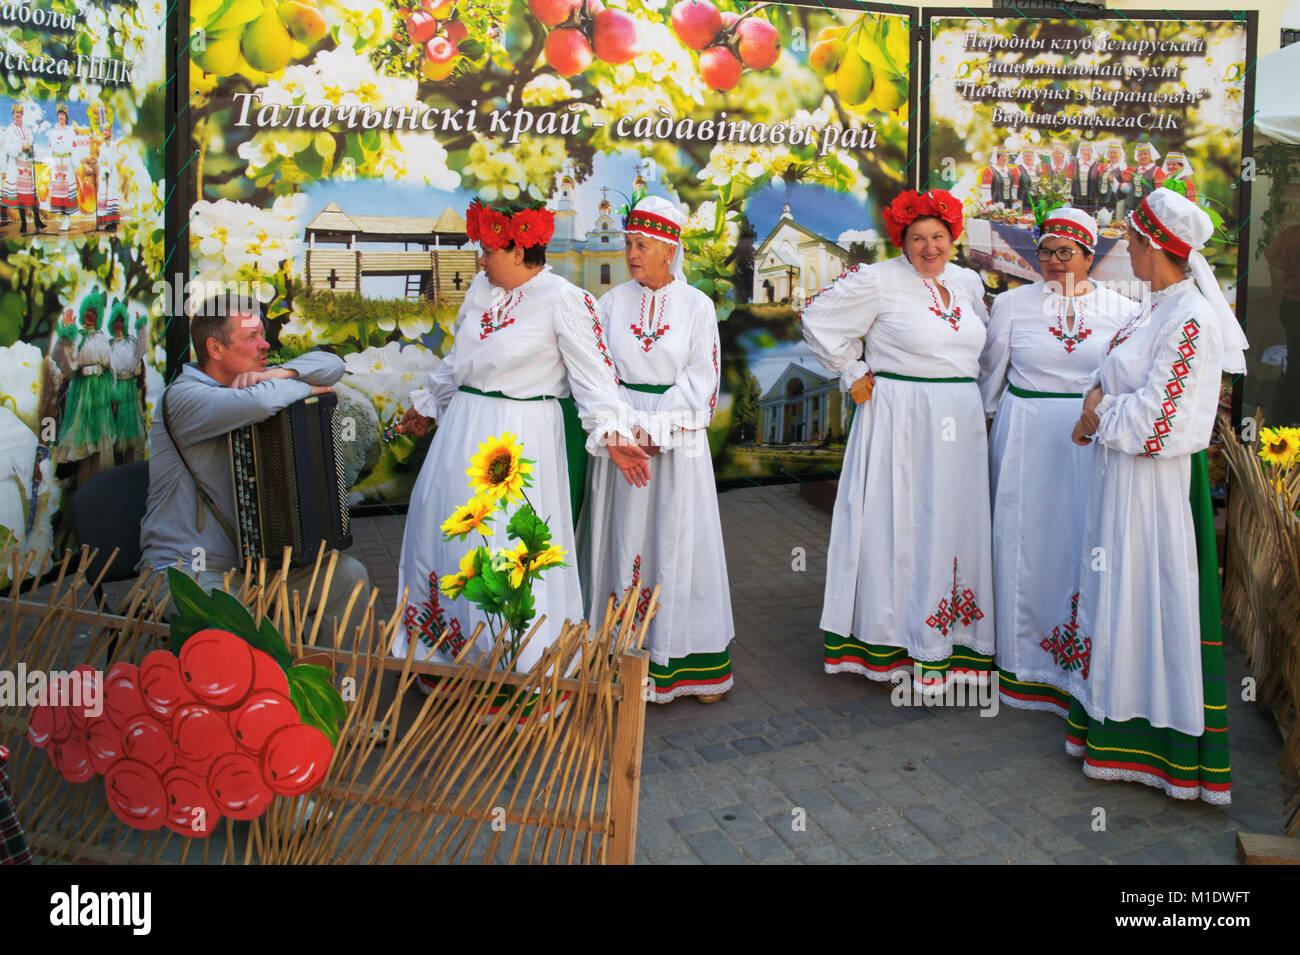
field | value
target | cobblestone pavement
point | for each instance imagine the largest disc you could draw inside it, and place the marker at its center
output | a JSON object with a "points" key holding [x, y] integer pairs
{"points": [[798, 766]]}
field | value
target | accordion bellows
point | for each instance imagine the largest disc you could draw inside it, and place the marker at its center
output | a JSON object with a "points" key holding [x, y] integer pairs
{"points": [[289, 484]]}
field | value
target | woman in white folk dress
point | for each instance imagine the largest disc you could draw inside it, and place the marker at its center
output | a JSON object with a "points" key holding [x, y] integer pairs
{"points": [[663, 336], [1045, 342], [63, 171], [1150, 701], [909, 577], [524, 339]]}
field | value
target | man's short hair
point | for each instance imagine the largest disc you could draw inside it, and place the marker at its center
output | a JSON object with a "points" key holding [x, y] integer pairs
{"points": [[212, 320]]}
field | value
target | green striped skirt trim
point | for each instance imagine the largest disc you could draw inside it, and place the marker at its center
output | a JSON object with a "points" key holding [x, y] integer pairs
{"points": [[575, 442], [877, 661], [1032, 696], [1186, 767], [697, 674]]}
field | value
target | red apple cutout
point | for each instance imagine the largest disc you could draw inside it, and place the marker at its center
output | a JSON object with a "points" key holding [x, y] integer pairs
{"points": [[568, 52], [614, 37], [86, 690], [759, 43], [72, 760], [719, 69], [104, 744], [262, 714], [217, 668], [136, 794], [122, 697], [146, 741], [696, 22], [191, 810], [48, 724], [268, 675], [201, 735], [237, 787], [161, 684], [295, 759]]}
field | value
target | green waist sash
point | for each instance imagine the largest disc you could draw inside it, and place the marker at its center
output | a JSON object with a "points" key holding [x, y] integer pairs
{"points": [[1022, 393], [496, 394], [648, 389], [575, 442], [890, 374]]}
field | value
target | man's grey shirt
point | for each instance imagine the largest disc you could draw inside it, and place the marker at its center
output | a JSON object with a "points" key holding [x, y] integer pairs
{"points": [[202, 413]]}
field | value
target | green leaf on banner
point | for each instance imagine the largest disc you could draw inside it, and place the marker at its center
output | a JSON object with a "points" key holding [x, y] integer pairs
{"points": [[311, 691], [526, 526]]}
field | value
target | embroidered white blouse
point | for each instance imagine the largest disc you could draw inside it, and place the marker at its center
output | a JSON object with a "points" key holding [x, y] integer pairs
{"points": [[886, 317], [541, 338], [1031, 345], [668, 336], [1161, 377]]}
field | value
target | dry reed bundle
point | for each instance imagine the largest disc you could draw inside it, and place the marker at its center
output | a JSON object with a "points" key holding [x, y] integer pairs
{"points": [[541, 766], [1262, 592]]}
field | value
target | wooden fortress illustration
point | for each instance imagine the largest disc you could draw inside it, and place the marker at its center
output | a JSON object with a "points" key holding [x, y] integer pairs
{"points": [[435, 255]]}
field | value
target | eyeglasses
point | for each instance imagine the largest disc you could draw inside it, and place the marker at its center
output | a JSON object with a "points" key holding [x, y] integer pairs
{"points": [[1062, 254]]}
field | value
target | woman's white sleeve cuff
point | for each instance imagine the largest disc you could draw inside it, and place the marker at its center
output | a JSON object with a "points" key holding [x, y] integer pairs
{"points": [[851, 374], [422, 400]]}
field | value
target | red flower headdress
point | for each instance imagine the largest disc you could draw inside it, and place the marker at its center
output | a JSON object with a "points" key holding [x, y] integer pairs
{"points": [[495, 228], [910, 206]]}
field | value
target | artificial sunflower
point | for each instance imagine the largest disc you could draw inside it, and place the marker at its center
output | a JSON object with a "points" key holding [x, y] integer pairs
{"points": [[499, 471], [470, 516], [514, 559], [454, 585], [553, 556], [1278, 446]]}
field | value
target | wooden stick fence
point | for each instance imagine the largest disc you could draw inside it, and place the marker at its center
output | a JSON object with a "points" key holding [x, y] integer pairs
{"points": [[538, 767], [1261, 593]]}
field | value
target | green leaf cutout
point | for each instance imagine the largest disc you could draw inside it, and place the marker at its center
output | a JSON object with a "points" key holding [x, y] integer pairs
{"points": [[311, 690]]}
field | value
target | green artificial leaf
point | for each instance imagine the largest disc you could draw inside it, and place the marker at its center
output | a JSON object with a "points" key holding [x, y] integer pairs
{"points": [[522, 613], [311, 690], [480, 594], [526, 526], [497, 583]]}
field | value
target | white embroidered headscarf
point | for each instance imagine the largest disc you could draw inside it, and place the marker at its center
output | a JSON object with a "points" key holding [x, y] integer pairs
{"points": [[1179, 226]]}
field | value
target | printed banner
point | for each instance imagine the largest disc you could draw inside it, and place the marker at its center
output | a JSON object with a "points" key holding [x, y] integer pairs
{"points": [[81, 206], [1094, 114], [341, 143]]}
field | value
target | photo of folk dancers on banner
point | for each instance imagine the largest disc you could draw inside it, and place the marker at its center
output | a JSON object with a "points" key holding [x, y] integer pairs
{"points": [[61, 176]]}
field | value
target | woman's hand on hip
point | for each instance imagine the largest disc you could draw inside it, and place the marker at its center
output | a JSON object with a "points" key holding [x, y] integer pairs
{"points": [[862, 388]]}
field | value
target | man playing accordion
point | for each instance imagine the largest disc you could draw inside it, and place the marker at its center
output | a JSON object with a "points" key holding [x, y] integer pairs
{"points": [[229, 386]]}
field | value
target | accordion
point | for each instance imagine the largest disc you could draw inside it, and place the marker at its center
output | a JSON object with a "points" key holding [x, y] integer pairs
{"points": [[289, 484]]}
